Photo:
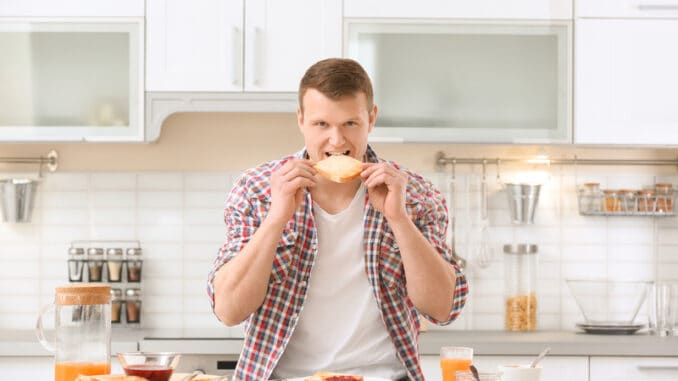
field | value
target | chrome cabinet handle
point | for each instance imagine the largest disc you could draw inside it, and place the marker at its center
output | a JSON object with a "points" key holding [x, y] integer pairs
{"points": [[657, 7], [237, 56]]}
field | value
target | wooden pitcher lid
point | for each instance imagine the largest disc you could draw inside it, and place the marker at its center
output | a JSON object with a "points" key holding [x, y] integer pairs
{"points": [[82, 294]]}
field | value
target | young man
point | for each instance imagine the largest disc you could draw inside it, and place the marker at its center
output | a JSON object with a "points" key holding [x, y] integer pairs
{"points": [[330, 276]]}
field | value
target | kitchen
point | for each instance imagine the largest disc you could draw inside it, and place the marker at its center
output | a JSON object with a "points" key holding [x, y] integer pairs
{"points": [[208, 81]]}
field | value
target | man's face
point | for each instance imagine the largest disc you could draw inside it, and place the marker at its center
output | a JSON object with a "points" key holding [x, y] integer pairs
{"points": [[335, 126]]}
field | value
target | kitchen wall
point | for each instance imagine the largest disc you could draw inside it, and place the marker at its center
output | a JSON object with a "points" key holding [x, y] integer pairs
{"points": [[169, 195]]}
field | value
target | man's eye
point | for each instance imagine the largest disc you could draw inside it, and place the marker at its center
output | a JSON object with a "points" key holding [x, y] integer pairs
{"points": [[321, 124], [351, 123]]}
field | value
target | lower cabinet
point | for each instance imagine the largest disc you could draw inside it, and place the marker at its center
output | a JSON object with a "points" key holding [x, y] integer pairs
{"points": [[555, 368], [634, 368]]}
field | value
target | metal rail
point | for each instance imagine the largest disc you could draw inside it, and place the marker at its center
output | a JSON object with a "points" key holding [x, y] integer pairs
{"points": [[51, 160], [441, 161]]}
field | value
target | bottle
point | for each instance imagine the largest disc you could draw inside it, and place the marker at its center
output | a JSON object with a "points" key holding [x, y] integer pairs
{"points": [[82, 321], [520, 266], [116, 305], [76, 263], [133, 305], [95, 264], [114, 264], [134, 264]]}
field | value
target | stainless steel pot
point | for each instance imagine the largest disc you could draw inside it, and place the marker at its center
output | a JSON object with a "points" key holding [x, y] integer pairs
{"points": [[522, 200], [17, 197]]}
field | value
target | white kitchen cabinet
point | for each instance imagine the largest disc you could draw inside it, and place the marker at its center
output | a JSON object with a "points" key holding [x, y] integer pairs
{"points": [[252, 46], [71, 8], [626, 81], [478, 9], [634, 368], [72, 79], [555, 368]]}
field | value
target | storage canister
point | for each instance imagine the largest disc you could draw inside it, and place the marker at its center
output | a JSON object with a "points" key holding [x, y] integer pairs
{"points": [[520, 266]]}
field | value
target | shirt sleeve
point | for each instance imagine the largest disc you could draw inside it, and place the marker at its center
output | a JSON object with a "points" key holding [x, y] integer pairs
{"points": [[241, 222], [433, 225]]}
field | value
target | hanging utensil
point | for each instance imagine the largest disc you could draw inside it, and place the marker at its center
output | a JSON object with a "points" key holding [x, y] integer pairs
{"points": [[485, 251], [452, 196]]}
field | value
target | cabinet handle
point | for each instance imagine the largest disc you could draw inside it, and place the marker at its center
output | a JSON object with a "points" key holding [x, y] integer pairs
{"points": [[658, 7], [657, 367], [254, 48], [237, 56]]}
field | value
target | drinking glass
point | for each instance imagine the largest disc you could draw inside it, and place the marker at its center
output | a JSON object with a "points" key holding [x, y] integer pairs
{"points": [[453, 359], [663, 305]]}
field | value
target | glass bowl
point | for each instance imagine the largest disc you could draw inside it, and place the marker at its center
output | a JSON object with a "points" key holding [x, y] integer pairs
{"points": [[153, 366], [605, 302]]}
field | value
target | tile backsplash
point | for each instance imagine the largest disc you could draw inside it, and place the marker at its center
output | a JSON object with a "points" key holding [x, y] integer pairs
{"points": [[178, 218]]}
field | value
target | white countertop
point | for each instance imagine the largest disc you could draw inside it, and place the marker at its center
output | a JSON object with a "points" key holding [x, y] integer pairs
{"points": [[24, 343]]}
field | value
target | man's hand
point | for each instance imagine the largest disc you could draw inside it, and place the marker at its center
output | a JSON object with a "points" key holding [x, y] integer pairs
{"points": [[287, 185], [386, 186]]}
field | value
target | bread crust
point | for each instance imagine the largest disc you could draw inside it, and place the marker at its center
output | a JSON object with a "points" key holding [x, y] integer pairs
{"points": [[339, 168], [331, 376]]}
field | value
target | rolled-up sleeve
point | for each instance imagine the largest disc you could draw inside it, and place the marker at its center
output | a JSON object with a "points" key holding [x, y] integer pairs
{"points": [[241, 222], [433, 222]]}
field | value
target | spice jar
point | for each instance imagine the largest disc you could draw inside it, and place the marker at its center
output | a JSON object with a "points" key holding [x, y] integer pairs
{"points": [[133, 305], [612, 202], [76, 263], [627, 198], [646, 200], [520, 266], [116, 305], [95, 264], [134, 264], [114, 264], [590, 198], [664, 195]]}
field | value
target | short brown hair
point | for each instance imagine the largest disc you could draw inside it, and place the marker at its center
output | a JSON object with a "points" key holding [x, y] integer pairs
{"points": [[336, 78]]}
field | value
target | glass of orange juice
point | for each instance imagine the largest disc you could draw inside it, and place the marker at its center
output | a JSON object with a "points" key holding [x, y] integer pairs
{"points": [[453, 359]]}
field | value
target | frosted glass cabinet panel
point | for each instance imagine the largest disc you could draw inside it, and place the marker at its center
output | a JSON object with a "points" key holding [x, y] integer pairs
{"points": [[71, 80], [490, 82]]}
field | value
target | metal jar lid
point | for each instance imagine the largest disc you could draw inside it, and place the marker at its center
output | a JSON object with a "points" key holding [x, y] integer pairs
{"points": [[95, 251], [522, 248], [133, 293], [116, 294], [134, 251], [114, 252], [76, 251]]}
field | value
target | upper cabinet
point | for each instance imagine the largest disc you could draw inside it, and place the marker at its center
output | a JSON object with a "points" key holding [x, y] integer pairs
{"points": [[71, 78], [625, 72], [236, 45], [476, 9]]}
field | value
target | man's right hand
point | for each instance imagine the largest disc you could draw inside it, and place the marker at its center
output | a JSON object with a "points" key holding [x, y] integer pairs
{"points": [[287, 188]]}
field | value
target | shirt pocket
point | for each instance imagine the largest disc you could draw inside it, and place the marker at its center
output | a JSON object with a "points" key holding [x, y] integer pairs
{"points": [[391, 264], [285, 254]]}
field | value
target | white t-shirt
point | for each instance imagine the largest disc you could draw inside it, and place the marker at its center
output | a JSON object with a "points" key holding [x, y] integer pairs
{"points": [[340, 327]]}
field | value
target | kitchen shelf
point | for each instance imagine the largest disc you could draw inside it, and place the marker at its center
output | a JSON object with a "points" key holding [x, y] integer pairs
{"points": [[599, 204]]}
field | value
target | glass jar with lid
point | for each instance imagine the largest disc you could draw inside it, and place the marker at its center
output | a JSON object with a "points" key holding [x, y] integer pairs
{"points": [[133, 305], [76, 263], [664, 196], [114, 264], [627, 198], [95, 264], [612, 201], [590, 198], [646, 201], [520, 268], [134, 264], [116, 305]]}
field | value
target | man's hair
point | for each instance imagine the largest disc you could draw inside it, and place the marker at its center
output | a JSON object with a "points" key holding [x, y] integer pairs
{"points": [[336, 78]]}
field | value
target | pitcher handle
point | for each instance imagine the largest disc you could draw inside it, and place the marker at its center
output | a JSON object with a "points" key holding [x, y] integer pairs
{"points": [[39, 331]]}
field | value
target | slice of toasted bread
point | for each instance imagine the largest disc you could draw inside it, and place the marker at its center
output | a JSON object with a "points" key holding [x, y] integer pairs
{"points": [[339, 168], [113, 377]]}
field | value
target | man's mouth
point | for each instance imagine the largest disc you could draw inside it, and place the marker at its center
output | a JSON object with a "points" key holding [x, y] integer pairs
{"points": [[328, 154]]}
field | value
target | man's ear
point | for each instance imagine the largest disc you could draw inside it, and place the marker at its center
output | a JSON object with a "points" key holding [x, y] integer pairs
{"points": [[373, 118]]}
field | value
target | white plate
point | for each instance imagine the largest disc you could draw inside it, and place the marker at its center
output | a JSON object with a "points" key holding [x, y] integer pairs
{"points": [[611, 328], [365, 379]]}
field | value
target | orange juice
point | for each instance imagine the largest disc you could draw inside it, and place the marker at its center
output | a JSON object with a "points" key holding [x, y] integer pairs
{"points": [[69, 371], [450, 366]]}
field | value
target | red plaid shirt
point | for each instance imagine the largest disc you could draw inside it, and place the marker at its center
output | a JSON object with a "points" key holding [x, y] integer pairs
{"points": [[269, 328]]}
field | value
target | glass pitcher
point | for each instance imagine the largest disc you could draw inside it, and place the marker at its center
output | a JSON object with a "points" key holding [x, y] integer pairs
{"points": [[83, 331]]}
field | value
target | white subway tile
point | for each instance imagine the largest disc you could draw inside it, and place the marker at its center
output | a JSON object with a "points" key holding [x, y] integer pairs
{"points": [[548, 253], [538, 235], [163, 268], [592, 270], [197, 233], [197, 270], [667, 236], [20, 251], [668, 272], [160, 199], [162, 286], [122, 232], [162, 233], [116, 199], [198, 305], [488, 321], [632, 271], [204, 216], [74, 181], [587, 235], [19, 287], [546, 217], [584, 253], [637, 235], [14, 304], [161, 320], [65, 199], [116, 216], [54, 269], [159, 303], [488, 304], [208, 181], [19, 270], [160, 181], [549, 287], [631, 253], [668, 254], [18, 233], [201, 320], [69, 216], [160, 216], [54, 251], [487, 287], [548, 321], [548, 270], [163, 251], [205, 199], [112, 181], [196, 288], [18, 320]]}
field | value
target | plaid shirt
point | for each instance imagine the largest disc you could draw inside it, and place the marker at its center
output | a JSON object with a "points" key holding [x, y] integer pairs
{"points": [[269, 328]]}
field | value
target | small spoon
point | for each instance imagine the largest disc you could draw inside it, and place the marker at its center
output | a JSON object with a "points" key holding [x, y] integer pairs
{"points": [[541, 356], [475, 372]]}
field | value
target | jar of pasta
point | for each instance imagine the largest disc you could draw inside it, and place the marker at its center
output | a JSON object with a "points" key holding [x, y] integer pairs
{"points": [[664, 196], [647, 200], [520, 266]]}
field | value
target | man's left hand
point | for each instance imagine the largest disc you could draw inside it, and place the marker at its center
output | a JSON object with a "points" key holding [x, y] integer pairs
{"points": [[386, 187]]}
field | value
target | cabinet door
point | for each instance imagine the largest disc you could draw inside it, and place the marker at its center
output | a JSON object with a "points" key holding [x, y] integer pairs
{"points": [[636, 369], [194, 46], [283, 38], [554, 368], [626, 81], [71, 8], [481, 9]]}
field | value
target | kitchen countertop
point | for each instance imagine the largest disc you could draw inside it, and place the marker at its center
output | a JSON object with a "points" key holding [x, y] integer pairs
{"points": [[24, 343]]}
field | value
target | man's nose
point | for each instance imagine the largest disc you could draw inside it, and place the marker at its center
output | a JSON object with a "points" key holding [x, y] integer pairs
{"points": [[336, 137]]}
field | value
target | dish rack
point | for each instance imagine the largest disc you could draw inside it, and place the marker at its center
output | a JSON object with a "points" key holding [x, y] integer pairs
{"points": [[625, 203]]}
